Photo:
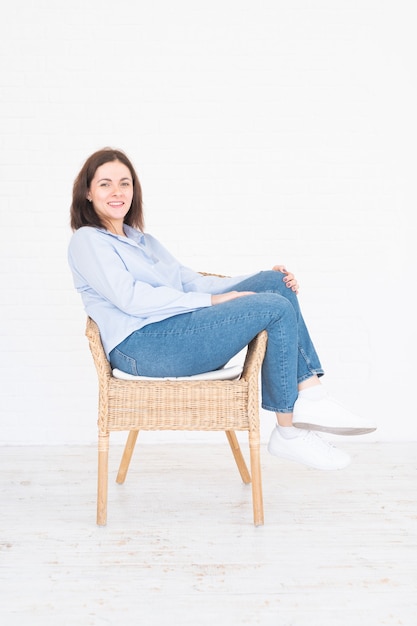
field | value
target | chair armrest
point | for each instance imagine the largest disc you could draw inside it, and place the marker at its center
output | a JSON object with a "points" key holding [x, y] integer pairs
{"points": [[255, 356], [99, 356]]}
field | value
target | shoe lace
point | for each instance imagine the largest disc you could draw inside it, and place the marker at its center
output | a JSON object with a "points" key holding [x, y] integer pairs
{"points": [[314, 439]]}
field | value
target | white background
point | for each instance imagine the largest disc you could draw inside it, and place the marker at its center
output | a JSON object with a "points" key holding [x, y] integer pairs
{"points": [[263, 132]]}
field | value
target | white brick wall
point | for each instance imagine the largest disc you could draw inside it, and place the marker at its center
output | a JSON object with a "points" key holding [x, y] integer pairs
{"points": [[263, 132]]}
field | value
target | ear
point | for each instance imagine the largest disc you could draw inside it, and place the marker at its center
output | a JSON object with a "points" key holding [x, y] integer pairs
{"points": [[88, 196]]}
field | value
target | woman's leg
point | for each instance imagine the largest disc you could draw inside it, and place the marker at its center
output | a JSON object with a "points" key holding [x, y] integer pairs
{"points": [[208, 338], [272, 282], [308, 363]]}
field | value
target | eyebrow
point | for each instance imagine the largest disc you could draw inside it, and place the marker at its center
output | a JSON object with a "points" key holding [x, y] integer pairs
{"points": [[110, 180]]}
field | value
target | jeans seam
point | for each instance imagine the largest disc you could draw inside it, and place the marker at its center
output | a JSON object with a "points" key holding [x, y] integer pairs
{"points": [[128, 360], [224, 322]]}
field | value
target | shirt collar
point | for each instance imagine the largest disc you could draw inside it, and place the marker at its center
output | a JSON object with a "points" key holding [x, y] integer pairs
{"points": [[133, 235]]}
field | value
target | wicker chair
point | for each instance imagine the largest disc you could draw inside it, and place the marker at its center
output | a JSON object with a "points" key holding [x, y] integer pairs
{"points": [[134, 405]]}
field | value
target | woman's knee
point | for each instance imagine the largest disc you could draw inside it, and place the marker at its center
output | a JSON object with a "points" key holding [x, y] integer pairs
{"points": [[268, 281], [272, 304]]}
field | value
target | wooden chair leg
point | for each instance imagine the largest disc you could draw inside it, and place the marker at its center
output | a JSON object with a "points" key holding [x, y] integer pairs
{"points": [[127, 455], [255, 462], [237, 453], [103, 472]]}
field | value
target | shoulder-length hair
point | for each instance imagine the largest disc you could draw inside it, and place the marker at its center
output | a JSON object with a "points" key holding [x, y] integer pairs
{"points": [[82, 211]]}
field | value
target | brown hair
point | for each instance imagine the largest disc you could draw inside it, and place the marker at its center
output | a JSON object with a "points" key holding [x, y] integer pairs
{"points": [[82, 211]]}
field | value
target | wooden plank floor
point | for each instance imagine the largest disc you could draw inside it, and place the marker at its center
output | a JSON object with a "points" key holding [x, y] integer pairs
{"points": [[337, 548]]}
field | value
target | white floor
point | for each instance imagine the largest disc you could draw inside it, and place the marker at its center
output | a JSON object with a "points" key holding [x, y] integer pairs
{"points": [[337, 548]]}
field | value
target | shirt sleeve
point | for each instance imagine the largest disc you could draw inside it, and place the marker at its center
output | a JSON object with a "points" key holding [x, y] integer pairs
{"points": [[97, 266]]}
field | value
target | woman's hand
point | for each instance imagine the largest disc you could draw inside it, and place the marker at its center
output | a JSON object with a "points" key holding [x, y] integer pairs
{"points": [[289, 279], [230, 295]]}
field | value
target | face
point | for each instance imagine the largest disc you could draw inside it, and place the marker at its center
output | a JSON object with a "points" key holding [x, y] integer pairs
{"points": [[111, 192]]}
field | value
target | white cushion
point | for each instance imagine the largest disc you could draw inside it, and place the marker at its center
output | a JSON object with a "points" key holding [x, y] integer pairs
{"points": [[226, 373]]}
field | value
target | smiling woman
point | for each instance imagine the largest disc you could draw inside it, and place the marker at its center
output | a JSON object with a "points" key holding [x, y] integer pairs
{"points": [[111, 192]]}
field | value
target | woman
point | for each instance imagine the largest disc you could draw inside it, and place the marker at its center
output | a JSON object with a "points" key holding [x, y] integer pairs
{"points": [[159, 318]]}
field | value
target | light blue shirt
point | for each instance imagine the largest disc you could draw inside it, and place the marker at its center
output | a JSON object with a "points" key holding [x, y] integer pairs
{"points": [[128, 282]]}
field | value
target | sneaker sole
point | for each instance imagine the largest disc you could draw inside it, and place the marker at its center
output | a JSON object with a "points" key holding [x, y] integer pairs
{"points": [[343, 430]]}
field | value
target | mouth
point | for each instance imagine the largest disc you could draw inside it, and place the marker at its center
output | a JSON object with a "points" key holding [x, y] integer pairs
{"points": [[115, 204]]}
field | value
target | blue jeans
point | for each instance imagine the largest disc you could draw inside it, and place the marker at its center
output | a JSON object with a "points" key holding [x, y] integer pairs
{"points": [[206, 339]]}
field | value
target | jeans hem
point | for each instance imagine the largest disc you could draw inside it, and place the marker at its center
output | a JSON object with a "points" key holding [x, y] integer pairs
{"points": [[310, 374], [275, 410]]}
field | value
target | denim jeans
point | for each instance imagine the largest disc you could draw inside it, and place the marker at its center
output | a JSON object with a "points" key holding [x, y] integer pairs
{"points": [[206, 339]]}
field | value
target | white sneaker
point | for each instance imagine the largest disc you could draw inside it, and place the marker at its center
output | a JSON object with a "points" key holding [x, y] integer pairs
{"points": [[328, 416], [309, 449]]}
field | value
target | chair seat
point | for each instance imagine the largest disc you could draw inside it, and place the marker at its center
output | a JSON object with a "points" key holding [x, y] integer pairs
{"points": [[232, 372]]}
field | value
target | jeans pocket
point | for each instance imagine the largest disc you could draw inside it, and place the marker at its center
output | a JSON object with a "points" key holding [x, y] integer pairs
{"points": [[123, 362]]}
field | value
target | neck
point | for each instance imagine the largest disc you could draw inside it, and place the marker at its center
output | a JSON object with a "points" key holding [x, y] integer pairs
{"points": [[116, 229]]}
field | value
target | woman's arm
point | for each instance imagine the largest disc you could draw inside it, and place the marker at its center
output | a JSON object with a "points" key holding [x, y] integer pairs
{"points": [[97, 265]]}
